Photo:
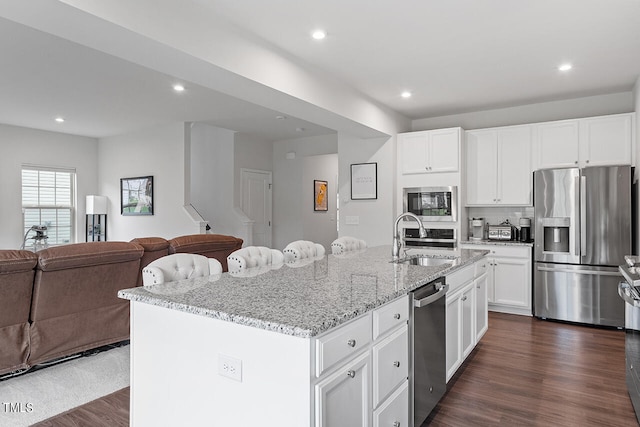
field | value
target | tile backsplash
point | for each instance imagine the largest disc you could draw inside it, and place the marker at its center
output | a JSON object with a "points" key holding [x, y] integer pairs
{"points": [[496, 215]]}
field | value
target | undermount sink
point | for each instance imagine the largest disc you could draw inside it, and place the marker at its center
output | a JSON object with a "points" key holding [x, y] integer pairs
{"points": [[428, 261]]}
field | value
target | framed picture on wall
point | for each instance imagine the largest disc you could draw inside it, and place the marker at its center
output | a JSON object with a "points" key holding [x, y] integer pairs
{"points": [[364, 181], [320, 195], [136, 195]]}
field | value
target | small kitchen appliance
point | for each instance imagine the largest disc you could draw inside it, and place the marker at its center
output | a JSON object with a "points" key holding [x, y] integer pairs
{"points": [[477, 229], [431, 203], [504, 231], [525, 230]]}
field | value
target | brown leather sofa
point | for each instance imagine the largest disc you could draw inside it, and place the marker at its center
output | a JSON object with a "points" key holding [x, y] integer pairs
{"points": [[17, 269], [75, 306], [63, 300], [216, 246]]}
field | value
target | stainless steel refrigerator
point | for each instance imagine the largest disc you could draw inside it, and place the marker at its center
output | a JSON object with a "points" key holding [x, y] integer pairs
{"points": [[583, 230]]}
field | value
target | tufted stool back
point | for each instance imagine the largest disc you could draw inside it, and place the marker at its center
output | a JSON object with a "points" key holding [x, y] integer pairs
{"points": [[347, 244], [253, 256], [178, 267], [302, 249]]}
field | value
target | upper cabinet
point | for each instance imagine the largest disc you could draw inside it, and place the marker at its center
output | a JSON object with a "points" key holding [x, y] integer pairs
{"points": [[593, 141], [429, 151], [499, 166]]}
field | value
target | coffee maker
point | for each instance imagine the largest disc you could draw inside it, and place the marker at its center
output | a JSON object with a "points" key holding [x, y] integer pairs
{"points": [[525, 230], [477, 228]]}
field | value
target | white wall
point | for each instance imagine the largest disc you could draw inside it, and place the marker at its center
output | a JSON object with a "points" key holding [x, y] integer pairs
{"points": [[375, 217], [22, 145], [320, 226], [212, 176], [288, 185], [250, 153], [159, 152], [533, 113]]}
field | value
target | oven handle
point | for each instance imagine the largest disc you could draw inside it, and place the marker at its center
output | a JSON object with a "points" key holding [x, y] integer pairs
{"points": [[431, 298]]}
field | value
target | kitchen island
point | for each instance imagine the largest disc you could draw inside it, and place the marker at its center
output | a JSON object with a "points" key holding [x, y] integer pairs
{"points": [[225, 350]]}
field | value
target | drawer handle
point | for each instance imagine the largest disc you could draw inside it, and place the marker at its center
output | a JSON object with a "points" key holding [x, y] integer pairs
{"points": [[351, 374], [351, 343], [396, 364], [397, 316]]}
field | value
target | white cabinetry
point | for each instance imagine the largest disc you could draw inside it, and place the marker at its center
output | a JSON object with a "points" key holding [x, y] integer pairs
{"points": [[429, 151], [499, 166], [466, 313], [509, 278], [593, 141], [360, 378]]}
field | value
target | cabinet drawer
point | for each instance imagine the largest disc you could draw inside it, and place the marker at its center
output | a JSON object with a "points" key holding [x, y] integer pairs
{"points": [[344, 342], [506, 251], [395, 411], [460, 277], [482, 267], [390, 364], [390, 316]]}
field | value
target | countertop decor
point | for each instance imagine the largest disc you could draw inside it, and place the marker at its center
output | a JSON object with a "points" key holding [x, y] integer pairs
{"points": [[299, 301]]}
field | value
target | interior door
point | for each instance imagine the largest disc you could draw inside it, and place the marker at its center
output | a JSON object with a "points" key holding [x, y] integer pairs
{"points": [[256, 204]]}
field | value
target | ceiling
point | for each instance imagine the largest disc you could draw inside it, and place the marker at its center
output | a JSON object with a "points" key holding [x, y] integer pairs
{"points": [[455, 56]]}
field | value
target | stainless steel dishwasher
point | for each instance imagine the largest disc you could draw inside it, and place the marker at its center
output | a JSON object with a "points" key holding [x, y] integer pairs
{"points": [[427, 345]]}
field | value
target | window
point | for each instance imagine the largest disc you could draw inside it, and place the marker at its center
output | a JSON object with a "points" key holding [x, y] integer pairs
{"points": [[48, 199]]}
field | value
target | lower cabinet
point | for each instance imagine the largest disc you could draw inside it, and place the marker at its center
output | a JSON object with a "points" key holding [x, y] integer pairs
{"points": [[362, 370], [466, 313], [342, 398]]}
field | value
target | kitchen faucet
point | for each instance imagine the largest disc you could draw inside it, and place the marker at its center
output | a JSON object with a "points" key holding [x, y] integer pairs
{"points": [[397, 240]]}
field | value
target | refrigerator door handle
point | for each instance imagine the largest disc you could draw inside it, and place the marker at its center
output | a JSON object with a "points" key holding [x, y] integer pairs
{"points": [[568, 270], [583, 216]]}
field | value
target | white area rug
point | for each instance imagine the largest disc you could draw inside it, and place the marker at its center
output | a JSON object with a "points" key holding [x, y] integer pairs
{"points": [[58, 388]]}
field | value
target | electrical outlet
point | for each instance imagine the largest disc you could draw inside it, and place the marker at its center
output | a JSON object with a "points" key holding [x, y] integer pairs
{"points": [[230, 367]]}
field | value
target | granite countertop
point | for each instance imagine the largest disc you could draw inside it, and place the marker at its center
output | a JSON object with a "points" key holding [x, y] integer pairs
{"points": [[303, 300], [496, 242]]}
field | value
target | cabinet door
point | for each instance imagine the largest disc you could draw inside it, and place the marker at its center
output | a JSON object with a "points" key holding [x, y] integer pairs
{"points": [[342, 399], [482, 309], [413, 152], [515, 174], [482, 166], [395, 410], [468, 306], [606, 140], [444, 149], [512, 282], [390, 364], [557, 144], [453, 345]]}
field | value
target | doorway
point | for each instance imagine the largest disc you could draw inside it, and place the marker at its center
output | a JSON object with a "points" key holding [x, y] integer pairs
{"points": [[256, 203]]}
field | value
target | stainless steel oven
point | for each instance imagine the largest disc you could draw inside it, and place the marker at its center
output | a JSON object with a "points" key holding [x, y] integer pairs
{"points": [[435, 238], [432, 203]]}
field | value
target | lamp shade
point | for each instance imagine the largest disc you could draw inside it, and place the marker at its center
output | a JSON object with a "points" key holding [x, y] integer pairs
{"points": [[96, 205]]}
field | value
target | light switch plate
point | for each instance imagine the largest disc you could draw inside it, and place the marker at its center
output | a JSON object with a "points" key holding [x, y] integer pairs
{"points": [[230, 367]]}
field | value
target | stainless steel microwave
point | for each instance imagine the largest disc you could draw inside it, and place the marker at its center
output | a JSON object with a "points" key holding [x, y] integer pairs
{"points": [[431, 203]]}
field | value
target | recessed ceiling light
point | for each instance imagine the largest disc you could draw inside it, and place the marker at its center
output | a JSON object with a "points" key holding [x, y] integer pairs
{"points": [[281, 117], [178, 87], [59, 120], [565, 67], [406, 94], [319, 34]]}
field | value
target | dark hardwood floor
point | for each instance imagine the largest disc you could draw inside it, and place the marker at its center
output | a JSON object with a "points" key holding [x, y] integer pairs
{"points": [[531, 372], [524, 372]]}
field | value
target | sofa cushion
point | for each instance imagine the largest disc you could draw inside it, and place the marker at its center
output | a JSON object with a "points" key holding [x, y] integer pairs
{"points": [[87, 254]]}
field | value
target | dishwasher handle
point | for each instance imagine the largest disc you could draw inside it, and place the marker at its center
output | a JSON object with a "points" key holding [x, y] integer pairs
{"points": [[431, 298]]}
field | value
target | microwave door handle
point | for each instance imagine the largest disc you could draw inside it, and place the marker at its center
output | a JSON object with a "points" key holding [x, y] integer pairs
{"points": [[583, 216]]}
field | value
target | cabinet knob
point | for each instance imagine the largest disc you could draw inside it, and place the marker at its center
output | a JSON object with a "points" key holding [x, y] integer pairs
{"points": [[396, 364], [351, 343], [396, 424], [397, 316], [464, 298], [351, 374], [576, 162]]}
